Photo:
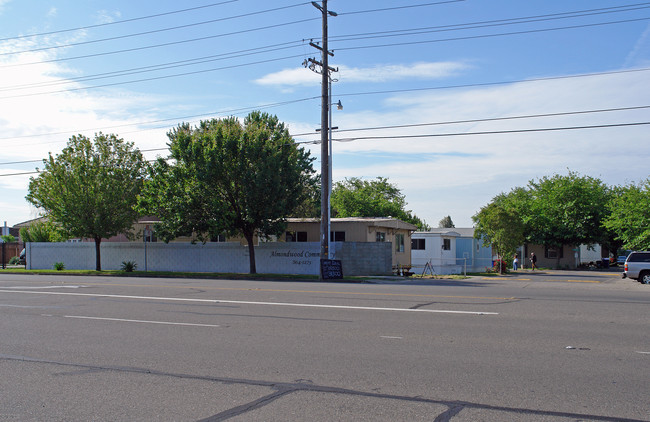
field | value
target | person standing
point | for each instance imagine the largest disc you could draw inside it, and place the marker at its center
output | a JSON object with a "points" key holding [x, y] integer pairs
{"points": [[515, 261], [533, 260]]}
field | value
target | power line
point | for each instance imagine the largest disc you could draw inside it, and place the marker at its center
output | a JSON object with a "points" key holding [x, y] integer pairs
{"points": [[155, 78], [162, 66], [492, 132], [480, 84], [486, 24], [60, 31], [350, 37], [399, 7], [482, 120], [128, 50], [471, 37], [251, 51], [438, 135], [228, 111], [394, 91], [154, 31], [496, 119], [288, 57]]}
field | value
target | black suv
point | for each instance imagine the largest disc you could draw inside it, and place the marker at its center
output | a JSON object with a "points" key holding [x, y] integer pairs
{"points": [[637, 267]]}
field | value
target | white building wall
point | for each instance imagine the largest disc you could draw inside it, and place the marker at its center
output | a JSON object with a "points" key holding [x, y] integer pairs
{"points": [[358, 258], [443, 261]]}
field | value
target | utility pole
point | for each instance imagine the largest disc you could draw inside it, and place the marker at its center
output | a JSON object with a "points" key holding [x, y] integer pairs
{"points": [[324, 123]]}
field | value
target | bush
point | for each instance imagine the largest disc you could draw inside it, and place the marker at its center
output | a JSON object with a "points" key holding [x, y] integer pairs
{"points": [[129, 266], [14, 260], [504, 267], [59, 266]]}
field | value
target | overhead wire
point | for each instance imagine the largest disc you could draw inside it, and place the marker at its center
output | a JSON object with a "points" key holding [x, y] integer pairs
{"points": [[333, 38], [153, 31], [484, 24], [394, 91], [339, 49], [385, 9], [98, 25], [436, 135], [162, 66], [132, 49], [491, 132], [153, 78], [451, 122], [472, 37], [401, 32]]}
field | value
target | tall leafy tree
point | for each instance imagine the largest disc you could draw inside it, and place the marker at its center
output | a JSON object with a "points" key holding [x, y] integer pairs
{"points": [[567, 210], [90, 189], [355, 197], [446, 223], [629, 216], [499, 224], [229, 177]]}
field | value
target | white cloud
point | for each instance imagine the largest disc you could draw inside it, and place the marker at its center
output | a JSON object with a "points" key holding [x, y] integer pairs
{"points": [[106, 16], [374, 74], [3, 3], [640, 56], [385, 73]]}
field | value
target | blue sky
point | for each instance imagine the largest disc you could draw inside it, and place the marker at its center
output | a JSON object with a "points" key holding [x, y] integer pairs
{"points": [[409, 72]]}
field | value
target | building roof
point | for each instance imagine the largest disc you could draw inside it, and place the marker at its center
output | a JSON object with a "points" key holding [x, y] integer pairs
{"points": [[454, 231], [30, 222], [389, 222]]}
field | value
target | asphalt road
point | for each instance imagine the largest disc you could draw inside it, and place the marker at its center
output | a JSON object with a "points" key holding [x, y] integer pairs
{"points": [[552, 346]]}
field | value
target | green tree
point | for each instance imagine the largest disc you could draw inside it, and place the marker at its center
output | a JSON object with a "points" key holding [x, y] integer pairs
{"points": [[566, 210], [42, 231], [91, 187], [629, 216], [8, 238], [229, 177], [500, 225], [446, 223], [355, 197]]}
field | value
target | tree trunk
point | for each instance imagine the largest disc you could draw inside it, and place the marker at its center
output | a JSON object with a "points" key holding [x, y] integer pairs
{"points": [[251, 252], [98, 255]]}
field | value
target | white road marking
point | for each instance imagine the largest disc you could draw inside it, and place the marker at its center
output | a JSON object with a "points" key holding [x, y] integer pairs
{"points": [[43, 287], [644, 353], [141, 321], [391, 337], [241, 302]]}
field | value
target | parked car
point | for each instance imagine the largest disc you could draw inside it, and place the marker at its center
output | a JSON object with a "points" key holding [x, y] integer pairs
{"points": [[637, 267], [621, 259], [22, 257]]}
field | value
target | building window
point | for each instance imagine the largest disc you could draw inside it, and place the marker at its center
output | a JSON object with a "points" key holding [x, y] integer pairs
{"points": [[218, 238], [296, 237], [337, 236], [381, 237], [399, 242], [553, 252], [446, 244], [418, 244]]}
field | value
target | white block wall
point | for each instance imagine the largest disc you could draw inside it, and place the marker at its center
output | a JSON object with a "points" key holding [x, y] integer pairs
{"points": [[359, 258]]}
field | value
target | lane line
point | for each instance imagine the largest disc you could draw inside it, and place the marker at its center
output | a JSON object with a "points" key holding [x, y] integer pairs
{"points": [[392, 337], [583, 281], [249, 289], [141, 321], [241, 302]]}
